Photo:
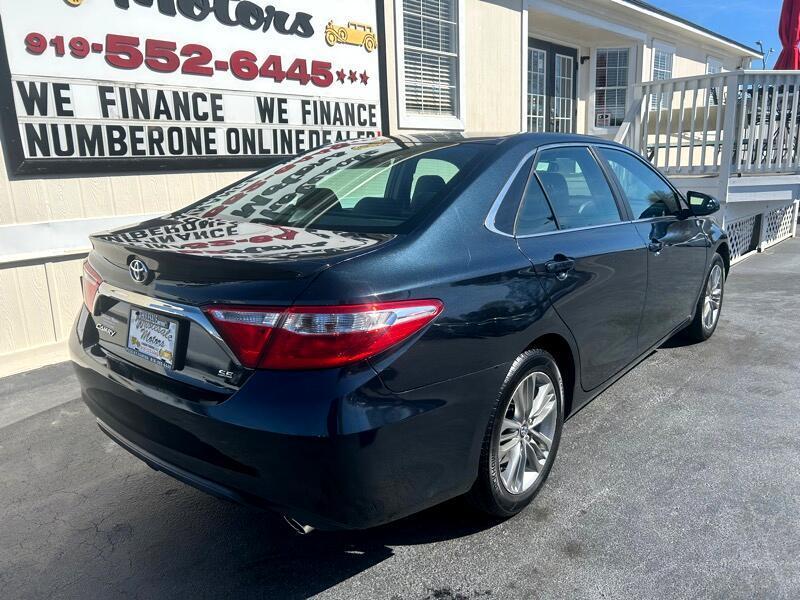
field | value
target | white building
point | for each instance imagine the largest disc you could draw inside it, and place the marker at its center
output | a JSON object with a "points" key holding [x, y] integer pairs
{"points": [[117, 110]]}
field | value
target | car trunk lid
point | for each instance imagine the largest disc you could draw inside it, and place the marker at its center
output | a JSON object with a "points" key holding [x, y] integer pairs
{"points": [[193, 262]]}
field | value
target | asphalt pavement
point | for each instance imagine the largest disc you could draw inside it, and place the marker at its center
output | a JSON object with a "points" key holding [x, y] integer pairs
{"points": [[680, 481]]}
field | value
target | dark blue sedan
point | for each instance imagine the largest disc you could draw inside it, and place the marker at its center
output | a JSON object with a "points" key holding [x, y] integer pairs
{"points": [[384, 324]]}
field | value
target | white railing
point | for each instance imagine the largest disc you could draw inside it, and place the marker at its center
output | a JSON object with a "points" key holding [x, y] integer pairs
{"points": [[724, 124]]}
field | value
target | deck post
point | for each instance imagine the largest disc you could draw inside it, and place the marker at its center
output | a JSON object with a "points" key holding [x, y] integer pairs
{"points": [[729, 134]]}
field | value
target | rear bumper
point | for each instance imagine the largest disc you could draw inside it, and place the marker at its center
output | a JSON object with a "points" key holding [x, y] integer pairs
{"points": [[333, 449], [158, 464]]}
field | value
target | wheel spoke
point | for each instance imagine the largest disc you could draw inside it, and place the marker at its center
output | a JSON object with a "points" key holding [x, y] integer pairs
{"points": [[508, 475], [536, 455], [543, 394], [530, 395], [541, 440], [521, 401], [519, 473], [508, 446], [510, 425]]}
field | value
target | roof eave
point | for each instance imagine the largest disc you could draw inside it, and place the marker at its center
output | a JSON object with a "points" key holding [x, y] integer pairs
{"points": [[663, 14]]}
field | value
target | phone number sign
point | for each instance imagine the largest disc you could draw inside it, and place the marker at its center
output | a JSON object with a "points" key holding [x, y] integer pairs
{"points": [[99, 86]]}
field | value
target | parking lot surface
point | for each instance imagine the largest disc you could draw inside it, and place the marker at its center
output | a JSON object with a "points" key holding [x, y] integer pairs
{"points": [[680, 481]]}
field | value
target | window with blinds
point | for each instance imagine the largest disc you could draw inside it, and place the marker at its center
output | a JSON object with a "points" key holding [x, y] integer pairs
{"points": [[430, 61], [611, 86], [662, 70]]}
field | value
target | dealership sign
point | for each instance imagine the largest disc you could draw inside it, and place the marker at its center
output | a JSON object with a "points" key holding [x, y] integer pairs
{"points": [[96, 86]]}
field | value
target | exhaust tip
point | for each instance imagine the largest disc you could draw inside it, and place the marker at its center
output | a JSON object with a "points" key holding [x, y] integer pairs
{"points": [[297, 526]]}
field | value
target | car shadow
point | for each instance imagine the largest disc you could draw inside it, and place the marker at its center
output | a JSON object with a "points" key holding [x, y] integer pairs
{"points": [[679, 340], [190, 544]]}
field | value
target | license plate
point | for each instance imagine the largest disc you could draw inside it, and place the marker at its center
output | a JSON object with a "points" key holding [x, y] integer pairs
{"points": [[152, 337]]}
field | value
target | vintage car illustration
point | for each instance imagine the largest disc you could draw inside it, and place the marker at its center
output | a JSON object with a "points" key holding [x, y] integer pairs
{"points": [[354, 34]]}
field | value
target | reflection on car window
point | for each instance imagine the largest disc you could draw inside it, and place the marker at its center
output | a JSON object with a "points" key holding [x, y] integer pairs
{"points": [[647, 193], [576, 187], [371, 186], [352, 185]]}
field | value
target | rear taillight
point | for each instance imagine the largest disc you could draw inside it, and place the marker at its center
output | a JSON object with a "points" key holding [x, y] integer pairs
{"points": [[245, 330], [90, 282], [319, 337]]}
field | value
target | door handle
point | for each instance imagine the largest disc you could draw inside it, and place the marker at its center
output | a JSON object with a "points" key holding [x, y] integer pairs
{"points": [[559, 267], [655, 246]]}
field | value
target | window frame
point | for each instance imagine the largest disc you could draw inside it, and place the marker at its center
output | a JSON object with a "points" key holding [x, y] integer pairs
{"points": [[671, 50], [682, 205], [622, 207], [626, 213], [667, 48], [410, 120], [533, 178]]}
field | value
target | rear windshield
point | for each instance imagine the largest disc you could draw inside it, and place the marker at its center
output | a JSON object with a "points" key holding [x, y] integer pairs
{"points": [[375, 186]]}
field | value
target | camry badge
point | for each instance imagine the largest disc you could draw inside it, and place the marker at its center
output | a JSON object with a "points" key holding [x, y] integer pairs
{"points": [[106, 329], [138, 270]]}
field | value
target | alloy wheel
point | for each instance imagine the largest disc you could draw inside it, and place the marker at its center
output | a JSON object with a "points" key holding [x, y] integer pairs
{"points": [[527, 432], [712, 302]]}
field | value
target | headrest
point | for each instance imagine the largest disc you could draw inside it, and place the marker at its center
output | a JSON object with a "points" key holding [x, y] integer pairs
{"points": [[428, 187], [554, 184], [378, 206]]}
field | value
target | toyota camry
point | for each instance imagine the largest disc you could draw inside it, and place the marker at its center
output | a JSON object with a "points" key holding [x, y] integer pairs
{"points": [[384, 324]]}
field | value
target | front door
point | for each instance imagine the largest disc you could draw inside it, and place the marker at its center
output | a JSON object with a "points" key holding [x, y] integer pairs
{"points": [[552, 95], [678, 246]]}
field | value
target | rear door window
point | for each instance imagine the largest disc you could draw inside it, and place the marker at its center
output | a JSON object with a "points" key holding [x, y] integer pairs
{"points": [[576, 187]]}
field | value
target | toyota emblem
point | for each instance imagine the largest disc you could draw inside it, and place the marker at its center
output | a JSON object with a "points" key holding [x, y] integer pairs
{"points": [[138, 270]]}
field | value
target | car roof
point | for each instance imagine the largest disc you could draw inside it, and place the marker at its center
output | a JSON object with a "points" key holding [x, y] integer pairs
{"points": [[531, 139]]}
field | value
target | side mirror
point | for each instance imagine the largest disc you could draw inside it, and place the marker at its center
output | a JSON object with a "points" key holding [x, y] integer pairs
{"points": [[702, 204]]}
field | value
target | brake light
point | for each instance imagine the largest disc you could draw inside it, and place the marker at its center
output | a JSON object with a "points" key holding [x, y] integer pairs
{"points": [[319, 337], [245, 330], [90, 282]]}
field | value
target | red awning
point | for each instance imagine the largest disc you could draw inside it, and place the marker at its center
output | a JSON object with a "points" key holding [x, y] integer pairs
{"points": [[789, 31]]}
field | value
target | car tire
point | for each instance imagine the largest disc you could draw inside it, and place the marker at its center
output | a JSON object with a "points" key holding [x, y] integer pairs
{"points": [[709, 305], [498, 490]]}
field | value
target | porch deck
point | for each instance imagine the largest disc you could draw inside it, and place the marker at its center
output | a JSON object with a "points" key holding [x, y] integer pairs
{"points": [[733, 134]]}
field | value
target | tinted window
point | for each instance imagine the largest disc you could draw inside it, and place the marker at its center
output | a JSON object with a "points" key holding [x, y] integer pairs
{"points": [[507, 212], [376, 185], [535, 215], [432, 167], [576, 187], [647, 193], [353, 185]]}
